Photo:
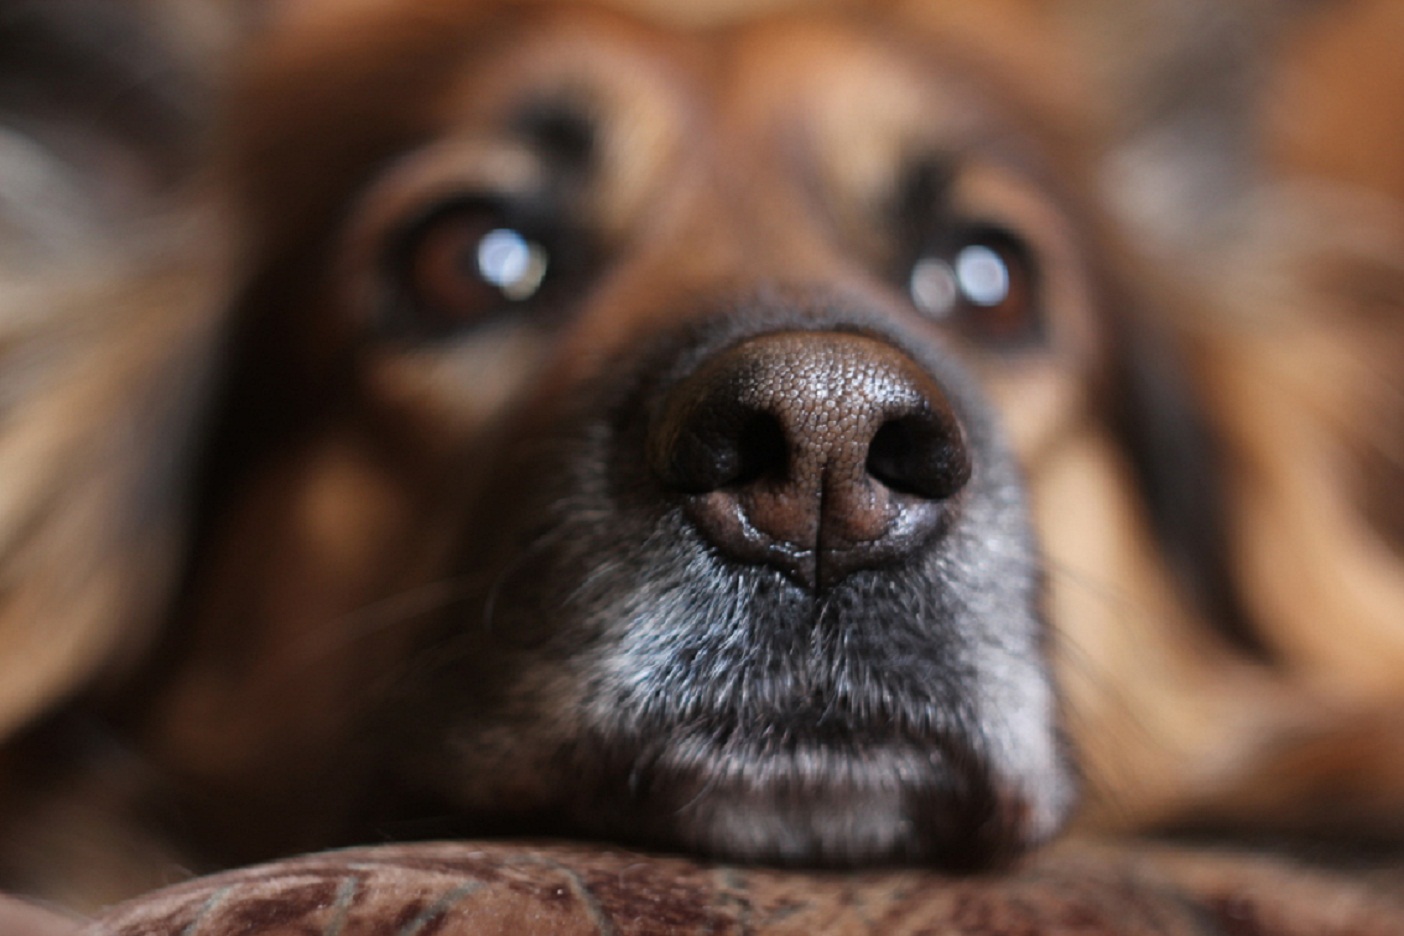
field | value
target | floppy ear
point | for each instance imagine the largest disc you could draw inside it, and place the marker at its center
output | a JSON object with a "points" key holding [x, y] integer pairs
{"points": [[1173, 89], [101, 390], [108, 305], [1176, 455], [1292, 356], [1306, 368], [1294, 350], [1187, 91]]}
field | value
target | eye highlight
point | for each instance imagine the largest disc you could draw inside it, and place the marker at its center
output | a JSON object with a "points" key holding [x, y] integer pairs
{"points": [[462, 264], [513, 264], [983, 285]]}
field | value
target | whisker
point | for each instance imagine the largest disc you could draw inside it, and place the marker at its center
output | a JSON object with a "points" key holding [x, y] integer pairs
{"points": [[379, 616], [544, 539]]}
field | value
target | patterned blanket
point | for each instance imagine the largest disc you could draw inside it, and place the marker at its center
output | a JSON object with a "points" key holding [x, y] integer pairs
{"points": [[572, 890]]}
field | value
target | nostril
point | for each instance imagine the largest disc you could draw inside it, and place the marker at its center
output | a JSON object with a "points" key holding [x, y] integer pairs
{"points": [[919, 454], [720, 447], [761, 450]]}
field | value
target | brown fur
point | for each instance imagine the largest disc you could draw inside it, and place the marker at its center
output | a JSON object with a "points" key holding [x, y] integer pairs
{"points": [[230, 523]]}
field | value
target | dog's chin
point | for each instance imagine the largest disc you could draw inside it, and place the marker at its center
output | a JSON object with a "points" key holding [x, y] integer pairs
{"points": [[837, 823], [724, 711], [872, 779], [813, 802], [831, 746]]}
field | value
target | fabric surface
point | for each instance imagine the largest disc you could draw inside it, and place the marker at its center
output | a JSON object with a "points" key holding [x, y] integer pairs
{"points": [[565, 890], [19, 918]]}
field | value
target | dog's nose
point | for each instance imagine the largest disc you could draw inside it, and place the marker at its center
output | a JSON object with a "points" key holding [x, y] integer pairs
{"points": [[819, 453]]}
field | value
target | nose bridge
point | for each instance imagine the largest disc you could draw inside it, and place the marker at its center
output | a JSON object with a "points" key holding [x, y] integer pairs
{"points": [[749, 218], [722, 237], [741, 215], [744, 204]]}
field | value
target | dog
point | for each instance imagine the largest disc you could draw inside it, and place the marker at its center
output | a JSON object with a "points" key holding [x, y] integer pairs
{"points": [[759, 442]]}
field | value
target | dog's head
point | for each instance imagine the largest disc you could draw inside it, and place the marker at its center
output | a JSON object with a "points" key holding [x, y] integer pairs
{"points": [[636, 395]]}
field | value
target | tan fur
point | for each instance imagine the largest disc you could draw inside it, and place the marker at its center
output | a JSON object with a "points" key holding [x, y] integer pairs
{"points": [[1295, 341]]}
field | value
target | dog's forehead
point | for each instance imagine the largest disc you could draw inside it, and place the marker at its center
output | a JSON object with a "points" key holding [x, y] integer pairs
{"points": [[838, 81], [339, 92], [835, 104], [842, 71]]}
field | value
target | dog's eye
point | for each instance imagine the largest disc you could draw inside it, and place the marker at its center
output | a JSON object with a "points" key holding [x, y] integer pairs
{"points": [[465, 263], [983, 285]]}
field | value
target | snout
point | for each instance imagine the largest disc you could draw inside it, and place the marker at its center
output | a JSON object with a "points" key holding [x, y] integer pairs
{"points": [[817, 453], [783, 601]]}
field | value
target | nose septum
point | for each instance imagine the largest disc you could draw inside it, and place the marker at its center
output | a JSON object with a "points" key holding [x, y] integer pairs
{"points": [[819, 453]]}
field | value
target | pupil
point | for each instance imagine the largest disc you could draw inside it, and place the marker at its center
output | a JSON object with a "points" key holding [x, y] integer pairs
{"points": [[983, 275]]}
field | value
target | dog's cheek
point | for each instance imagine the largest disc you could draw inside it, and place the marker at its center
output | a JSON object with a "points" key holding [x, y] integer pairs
{"points": [[451, 398], [501, 758], [318, 583], [1040, 405], [1146, 690], [288, 642]]}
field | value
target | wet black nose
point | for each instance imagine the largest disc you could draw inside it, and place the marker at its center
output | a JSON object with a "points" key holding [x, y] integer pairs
{"points": [[819, 453]]}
